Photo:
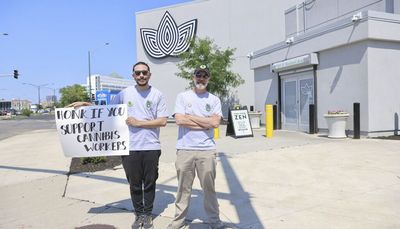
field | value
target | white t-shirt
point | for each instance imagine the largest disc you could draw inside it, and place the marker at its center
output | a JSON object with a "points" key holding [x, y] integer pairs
{"points": [[143, 105], [203, 105]]}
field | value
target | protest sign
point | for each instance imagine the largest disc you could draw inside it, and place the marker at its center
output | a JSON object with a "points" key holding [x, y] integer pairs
{"points": [[92, 131]]}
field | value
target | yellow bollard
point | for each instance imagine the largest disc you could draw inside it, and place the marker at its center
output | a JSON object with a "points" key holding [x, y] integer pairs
{"points": [[269, 121], [216, 133]]}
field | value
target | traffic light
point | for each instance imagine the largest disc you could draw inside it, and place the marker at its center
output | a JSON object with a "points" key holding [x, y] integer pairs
{"points": [[16, 74]]}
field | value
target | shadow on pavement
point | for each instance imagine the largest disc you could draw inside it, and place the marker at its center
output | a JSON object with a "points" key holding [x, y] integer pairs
{"points": [[238, 196], [51, 171]]}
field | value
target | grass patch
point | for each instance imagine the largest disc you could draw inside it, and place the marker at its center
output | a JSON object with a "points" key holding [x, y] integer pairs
{"points": [[93, 160]]}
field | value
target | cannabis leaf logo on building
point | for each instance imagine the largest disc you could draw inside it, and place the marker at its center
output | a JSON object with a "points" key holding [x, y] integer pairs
{"points": [[169, 39]]}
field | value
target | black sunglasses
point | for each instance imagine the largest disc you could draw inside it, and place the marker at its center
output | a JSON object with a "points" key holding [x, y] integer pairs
{"points": [[202, 75], [145, 72]]}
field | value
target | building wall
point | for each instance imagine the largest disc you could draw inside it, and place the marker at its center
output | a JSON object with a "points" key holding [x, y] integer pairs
{"points": [[266, 89], [383, 87], [342, 79], [5, 105], [244, 25], [313, 14], [396, 6], [358, 62], [19, 104]]}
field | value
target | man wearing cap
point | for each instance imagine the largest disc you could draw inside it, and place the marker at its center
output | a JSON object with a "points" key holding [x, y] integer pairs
{"points": [[197, 113]]}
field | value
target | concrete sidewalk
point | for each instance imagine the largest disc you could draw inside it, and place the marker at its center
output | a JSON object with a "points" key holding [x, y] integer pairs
{"points": [[292, 180]]}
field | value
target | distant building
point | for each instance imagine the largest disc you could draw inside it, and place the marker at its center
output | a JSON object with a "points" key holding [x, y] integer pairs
{"points": [[50, 101], [19, 104], [51, 98], [110, 85], [5, 105]]}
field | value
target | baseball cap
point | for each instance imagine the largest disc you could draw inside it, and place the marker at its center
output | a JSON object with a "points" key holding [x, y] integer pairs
{"points": [[202, 68]]}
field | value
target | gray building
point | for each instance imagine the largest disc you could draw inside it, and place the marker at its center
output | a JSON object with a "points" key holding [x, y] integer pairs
{"points": [[244, 25], [334, 54], [293, 53]]}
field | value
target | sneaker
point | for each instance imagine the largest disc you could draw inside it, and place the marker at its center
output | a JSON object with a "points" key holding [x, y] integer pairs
{"points": [[148, 222], [138, 222]]}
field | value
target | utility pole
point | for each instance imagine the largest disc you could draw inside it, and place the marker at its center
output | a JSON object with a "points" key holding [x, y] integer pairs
{"points": [[90, 79], [90, 73]]}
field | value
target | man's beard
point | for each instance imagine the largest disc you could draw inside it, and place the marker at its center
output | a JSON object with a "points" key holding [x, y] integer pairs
{"points": [[200, 86]]}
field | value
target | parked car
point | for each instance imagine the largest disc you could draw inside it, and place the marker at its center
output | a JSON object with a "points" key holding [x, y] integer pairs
{"points": [[12, 112]]}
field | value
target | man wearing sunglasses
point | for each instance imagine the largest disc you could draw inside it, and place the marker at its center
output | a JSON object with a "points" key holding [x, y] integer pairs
{"points": [[146, 114], [197, 113]]}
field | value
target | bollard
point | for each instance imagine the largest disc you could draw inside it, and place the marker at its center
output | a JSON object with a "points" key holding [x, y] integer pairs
{"points": [[356, 120], [269, 117], [216, 133], [275, 110], [311, 118]]}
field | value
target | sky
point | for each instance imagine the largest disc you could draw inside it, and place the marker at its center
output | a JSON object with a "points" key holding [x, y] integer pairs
{"points": [[48, 42]]}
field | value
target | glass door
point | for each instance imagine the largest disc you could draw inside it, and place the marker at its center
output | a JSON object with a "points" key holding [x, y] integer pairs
{"points": [[290, 107], [297, 95]]}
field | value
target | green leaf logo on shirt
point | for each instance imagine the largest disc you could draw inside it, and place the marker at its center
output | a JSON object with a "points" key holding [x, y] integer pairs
{"points": [[208, 107], [130, 104], [148, 104]]}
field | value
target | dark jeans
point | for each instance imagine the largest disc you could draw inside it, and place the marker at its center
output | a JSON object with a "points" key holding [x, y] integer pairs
{"points": [[141, 170]]}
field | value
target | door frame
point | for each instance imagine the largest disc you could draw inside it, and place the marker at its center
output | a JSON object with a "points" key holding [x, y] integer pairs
{"points": [[296, 76]]}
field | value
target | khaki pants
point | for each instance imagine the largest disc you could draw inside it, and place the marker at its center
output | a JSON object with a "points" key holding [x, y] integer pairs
{"points": [[188, 162]]}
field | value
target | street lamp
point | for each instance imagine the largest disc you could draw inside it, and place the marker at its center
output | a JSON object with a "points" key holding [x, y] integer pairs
{"points": [[90, 79], [90, 74], [38, 87]]}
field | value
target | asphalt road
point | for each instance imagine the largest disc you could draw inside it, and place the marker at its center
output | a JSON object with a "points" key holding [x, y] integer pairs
{"points": [[9, 128]]}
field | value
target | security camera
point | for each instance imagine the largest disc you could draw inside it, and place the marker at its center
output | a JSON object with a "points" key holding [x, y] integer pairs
{"points": [[290, 40], [250, 55], [356, 17]]}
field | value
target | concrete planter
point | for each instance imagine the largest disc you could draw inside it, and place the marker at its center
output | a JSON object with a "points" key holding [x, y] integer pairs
{"points": [[255, 119], [336, 125]]}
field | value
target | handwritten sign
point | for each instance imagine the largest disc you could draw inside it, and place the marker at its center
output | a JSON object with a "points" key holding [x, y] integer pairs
{"points": [[93, 131], [241, 123]]}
